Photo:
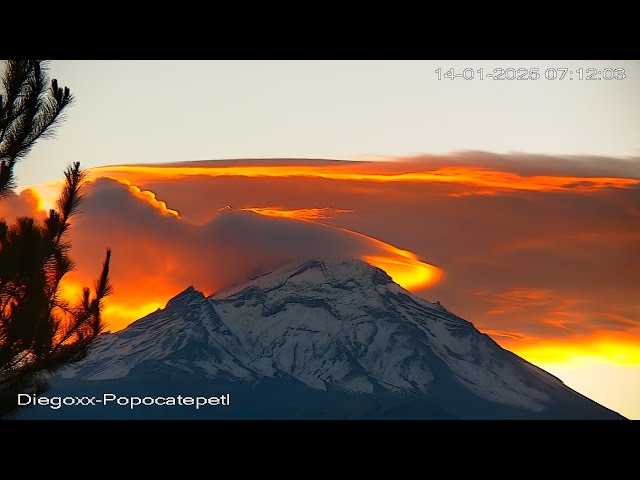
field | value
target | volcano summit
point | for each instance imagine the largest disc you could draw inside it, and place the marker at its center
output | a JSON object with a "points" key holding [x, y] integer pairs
{"points": [[324, 339]]}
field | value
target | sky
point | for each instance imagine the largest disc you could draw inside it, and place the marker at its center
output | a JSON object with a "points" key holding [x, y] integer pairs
{"points": [[162, 111], [513, 203]]}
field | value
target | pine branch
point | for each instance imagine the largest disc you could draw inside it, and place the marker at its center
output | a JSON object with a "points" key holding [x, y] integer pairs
{"points": [[103, 288], [13, 81], [28, 111], [71, 196]]}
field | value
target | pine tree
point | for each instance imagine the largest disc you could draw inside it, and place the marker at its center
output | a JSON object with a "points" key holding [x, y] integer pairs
{"points": [[39, 330], [29, 110]]}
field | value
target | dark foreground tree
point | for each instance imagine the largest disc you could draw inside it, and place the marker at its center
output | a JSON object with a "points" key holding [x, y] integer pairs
{"points": [[39, 330], [30, 108]]}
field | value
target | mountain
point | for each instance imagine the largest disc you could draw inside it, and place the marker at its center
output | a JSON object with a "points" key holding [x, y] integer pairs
{"points": [[325, 339]]}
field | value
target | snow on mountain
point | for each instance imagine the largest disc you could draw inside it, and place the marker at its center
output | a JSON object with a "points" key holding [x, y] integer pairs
{"points": [[341, 333]]}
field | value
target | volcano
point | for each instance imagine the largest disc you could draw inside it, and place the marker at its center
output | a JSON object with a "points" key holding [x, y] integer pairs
{"points": [[328, 339]]}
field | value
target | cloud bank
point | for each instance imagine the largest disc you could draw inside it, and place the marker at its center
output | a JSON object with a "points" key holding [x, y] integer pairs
{"points": [[533, 248]]}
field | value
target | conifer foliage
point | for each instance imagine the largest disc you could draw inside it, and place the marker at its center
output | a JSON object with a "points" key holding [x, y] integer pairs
{"points": [[39, 329]]}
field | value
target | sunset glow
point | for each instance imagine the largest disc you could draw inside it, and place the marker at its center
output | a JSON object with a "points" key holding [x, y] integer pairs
{"points": [[402, 265], [297, 213], [410, 274], [577, 353], [476, 177], [150, 198], [504, 193], [208, 226]]}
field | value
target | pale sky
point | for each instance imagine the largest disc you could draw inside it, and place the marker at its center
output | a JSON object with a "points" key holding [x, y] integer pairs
{"points": [[167, 111]]}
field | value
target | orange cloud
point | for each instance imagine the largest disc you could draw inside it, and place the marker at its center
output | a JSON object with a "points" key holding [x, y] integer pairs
{"points": [[28, 203], [513, 299], [150, 198], [402, 265], [297, 213], [357, 171], [531, 247], [157, 254], [46, 193]]}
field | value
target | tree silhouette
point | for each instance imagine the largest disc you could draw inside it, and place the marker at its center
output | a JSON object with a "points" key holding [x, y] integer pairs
{"points": [[39, 330], [29, 110]]}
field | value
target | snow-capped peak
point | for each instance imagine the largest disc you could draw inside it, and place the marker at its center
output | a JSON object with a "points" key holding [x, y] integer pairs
{"points": [[338, 326]]}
